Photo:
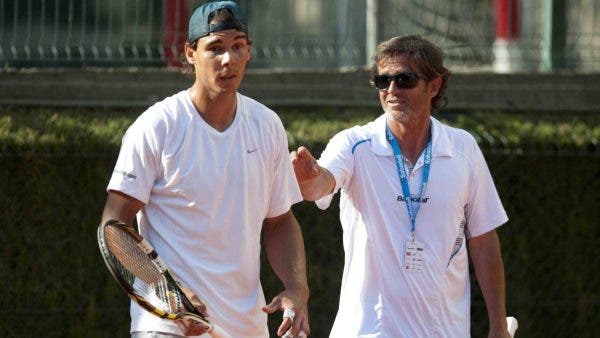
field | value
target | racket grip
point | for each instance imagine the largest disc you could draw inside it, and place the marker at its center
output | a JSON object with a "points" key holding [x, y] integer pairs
{"points": [[218, 332]]}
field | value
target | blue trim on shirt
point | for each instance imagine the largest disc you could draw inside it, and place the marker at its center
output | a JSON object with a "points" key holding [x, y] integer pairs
{"points": [[359, 142]]}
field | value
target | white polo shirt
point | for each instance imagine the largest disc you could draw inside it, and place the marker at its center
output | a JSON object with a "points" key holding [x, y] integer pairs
{"points": [[378, 297], [206, 194]]}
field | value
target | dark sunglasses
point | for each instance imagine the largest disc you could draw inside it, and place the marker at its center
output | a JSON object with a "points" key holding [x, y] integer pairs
{"points": [[403, 80]]}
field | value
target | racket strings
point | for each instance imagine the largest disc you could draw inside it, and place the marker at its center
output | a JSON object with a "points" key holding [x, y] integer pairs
{"points": [[140, 271]]}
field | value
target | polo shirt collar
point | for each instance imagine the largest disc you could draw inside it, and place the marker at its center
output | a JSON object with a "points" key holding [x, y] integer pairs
{"points": [[441, 141], [379, 142], [441, 145]]}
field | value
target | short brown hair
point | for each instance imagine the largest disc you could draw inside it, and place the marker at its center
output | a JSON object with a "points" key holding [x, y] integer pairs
{"points": [[423, 57]]}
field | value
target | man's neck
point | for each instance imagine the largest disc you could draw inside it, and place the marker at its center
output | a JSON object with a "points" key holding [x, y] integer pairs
{"points": [[412, 136], [217, 110]]}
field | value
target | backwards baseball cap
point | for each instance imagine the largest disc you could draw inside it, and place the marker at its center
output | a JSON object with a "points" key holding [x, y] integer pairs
{"points": [[199, 22]]}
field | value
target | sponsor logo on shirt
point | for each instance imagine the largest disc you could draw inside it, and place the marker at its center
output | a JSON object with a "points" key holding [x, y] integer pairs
{"points": [[401, 198], [126, 174]]}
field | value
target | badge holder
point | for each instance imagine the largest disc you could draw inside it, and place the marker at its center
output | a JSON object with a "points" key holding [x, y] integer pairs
{"points": [[413, 255]]}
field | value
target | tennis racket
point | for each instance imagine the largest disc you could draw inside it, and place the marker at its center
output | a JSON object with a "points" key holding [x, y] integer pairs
{"points": [[138, 269]]}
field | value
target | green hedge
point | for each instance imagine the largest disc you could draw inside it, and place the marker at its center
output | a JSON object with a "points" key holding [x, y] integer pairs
{"points": [[97, 131], [55, 164]]}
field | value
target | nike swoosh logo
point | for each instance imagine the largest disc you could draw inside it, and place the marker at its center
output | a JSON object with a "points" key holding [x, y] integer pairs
{"points": [[251, 151]]}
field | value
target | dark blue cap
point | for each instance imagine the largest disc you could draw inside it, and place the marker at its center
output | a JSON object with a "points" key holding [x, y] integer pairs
{"points": [[200, 27]]}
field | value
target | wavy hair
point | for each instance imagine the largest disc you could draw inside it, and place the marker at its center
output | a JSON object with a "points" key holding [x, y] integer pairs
{"points": [[423, 57]]}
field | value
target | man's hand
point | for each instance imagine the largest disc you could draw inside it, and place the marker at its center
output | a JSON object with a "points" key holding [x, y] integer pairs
{"points": [[188, 324], [295, 312], [314, 181], [305, 165]]}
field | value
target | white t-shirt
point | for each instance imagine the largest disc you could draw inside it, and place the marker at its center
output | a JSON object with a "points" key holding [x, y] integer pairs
{"points": [[206, 194], [378, 297]]}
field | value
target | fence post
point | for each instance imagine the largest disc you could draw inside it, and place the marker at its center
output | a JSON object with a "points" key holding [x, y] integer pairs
{"points": [[372, 29], [507, 54], [344, 57], [553, 35], [176, 24]]}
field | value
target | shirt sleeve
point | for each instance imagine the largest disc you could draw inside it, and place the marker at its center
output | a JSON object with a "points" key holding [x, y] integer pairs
{"points": [[484, 208], [138, 164], [338, 158], [285, 190]]}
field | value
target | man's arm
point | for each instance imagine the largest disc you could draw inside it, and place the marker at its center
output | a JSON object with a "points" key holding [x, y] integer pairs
{"points": [[284, 247], [314, 180], [121, 207], [489, 269]]}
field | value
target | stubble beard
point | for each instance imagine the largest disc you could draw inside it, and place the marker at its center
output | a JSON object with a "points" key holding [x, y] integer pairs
{"points": [[401, 116]]}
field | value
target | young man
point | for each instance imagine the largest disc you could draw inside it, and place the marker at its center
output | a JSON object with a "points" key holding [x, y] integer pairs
{"points": [[412, 189], [206, 171]]}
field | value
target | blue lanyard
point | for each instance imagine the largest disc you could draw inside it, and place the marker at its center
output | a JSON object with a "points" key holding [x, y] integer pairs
{"points": [[412, 213]]}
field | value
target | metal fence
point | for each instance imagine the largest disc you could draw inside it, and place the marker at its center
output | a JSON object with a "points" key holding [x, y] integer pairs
{"points": [[295, 34]]}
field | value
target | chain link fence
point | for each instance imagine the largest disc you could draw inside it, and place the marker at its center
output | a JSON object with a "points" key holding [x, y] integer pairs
{"points": [[296, 34]]}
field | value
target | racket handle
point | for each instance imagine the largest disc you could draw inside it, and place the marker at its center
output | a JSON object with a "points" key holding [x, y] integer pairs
{"points": [[512, 325], [218, 332]]}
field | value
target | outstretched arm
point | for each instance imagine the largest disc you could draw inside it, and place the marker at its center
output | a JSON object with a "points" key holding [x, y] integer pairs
{"points": [[489, 269], [314, 180], [284, 246]]}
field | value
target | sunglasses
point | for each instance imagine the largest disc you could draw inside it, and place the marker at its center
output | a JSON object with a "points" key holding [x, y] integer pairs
{"points": [[403, 80]]}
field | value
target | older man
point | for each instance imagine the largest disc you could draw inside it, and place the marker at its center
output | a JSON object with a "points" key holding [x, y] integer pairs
{"points": [[412, 189]]}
